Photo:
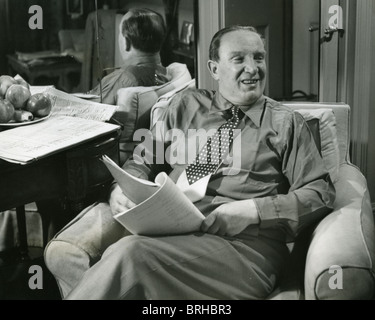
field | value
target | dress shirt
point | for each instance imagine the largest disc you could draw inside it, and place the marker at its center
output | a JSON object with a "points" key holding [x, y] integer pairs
{"points": [[281, 168]]}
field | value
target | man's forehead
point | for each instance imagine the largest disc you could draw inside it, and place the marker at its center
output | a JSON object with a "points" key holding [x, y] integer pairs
{"points": [[241, 38]]}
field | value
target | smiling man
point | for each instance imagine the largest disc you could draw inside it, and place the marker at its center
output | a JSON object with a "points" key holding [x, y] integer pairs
{"points": [[280, 186], [239, 66]]}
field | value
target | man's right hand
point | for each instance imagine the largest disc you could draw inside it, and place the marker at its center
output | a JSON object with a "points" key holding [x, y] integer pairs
{"points": [[118, 201]]}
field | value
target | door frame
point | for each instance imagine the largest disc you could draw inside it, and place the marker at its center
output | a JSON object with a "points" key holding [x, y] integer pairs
{"points": [[215, 10], [328, 71]]}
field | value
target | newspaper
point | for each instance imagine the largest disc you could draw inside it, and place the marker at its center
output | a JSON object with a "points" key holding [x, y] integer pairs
{"points": [[39, 89], [74, 105], [64, 104], [161, 207], [26, 144], [72, 120]]}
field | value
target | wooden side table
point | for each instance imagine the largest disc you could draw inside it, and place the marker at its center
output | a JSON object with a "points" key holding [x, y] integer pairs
{"points": [[60, 68], [74, 177]]}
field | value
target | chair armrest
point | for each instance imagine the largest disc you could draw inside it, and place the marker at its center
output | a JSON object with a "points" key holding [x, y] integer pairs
{"points": [[340, 259]]}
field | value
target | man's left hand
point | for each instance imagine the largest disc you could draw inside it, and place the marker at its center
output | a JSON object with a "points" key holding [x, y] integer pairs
{"points": [[231, 218]]}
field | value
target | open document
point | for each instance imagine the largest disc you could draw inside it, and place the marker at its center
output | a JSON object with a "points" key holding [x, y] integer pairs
{"points": [[161, 207], [26, 144]]}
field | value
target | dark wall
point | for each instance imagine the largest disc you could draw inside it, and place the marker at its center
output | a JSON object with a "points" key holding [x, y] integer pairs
{"points": [[16, 35], [273, 19], [24, 39], [3, 37]]}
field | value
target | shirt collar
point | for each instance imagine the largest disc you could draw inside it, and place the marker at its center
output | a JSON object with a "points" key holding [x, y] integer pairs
{"points": [[143, 60], [254, 111]]}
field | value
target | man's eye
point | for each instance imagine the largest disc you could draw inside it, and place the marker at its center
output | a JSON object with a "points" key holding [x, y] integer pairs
{"points": [[259, 57], [237, 59]]}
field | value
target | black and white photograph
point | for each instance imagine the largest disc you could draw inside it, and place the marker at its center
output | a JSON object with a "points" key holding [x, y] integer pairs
{"points": [[186, 151]]}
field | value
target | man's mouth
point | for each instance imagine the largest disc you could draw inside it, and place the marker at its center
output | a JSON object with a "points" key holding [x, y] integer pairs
{"points": [[248, 81]]}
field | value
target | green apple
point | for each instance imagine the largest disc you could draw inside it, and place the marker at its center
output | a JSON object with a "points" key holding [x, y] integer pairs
{"points": [[18, 95]]}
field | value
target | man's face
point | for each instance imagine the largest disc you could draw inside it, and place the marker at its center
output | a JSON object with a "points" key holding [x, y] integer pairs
{"points": [[241, 69]]}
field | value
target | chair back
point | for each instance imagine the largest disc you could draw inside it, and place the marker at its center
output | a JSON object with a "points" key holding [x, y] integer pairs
{"points": [[162, 103], [341, 113], [135, 103]]}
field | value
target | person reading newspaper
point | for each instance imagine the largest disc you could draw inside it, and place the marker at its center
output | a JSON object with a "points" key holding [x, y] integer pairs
{"points": [[272, 184]]}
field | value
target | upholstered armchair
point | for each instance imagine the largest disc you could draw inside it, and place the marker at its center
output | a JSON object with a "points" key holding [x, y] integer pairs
{"points": [[333, 259]]}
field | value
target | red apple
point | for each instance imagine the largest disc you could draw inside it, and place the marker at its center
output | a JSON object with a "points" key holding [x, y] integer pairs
{"points": [[39, 105], [6, 111], [5, 83], [18, 95], [22, 82]]}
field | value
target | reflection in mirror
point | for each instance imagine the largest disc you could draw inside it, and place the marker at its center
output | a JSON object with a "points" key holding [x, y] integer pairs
{"points": [[290, 28]]}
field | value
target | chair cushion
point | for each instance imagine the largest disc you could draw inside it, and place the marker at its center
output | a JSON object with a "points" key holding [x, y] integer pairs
{"points": [[135, 103], [162, 103], [322, 124]]}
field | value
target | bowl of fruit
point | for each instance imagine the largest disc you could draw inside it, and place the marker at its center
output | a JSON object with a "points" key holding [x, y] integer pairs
{"points": [[18, 106]]}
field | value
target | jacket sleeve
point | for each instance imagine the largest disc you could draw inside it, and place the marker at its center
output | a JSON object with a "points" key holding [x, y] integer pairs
{"points": [[311, 194]]}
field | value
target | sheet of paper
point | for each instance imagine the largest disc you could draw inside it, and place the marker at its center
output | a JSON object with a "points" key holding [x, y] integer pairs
{"points": [[28, 143], [137, 190], [85, 96], [168, 211], [64, 104], [195, 191], [161, 207], [39, 89]]}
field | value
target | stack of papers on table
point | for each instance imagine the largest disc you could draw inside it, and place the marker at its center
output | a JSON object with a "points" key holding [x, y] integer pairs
{"points": [[72, 121]]}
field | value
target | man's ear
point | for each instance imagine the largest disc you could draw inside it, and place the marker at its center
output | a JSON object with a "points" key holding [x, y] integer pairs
{"points": [[128, 44], [213, 68]]}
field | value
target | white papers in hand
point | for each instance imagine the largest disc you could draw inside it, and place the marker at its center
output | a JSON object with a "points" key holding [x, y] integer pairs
{"points": [[161, 207]]}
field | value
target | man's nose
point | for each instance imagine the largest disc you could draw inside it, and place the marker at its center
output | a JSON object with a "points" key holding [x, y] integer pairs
{"points": [[250, 66]]}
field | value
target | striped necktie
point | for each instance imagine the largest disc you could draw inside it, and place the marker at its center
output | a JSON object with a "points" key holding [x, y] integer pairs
{"points": [[214, 151]]}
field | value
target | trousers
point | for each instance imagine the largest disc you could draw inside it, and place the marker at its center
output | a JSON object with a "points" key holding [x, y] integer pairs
{"points": [[95, 258]]}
